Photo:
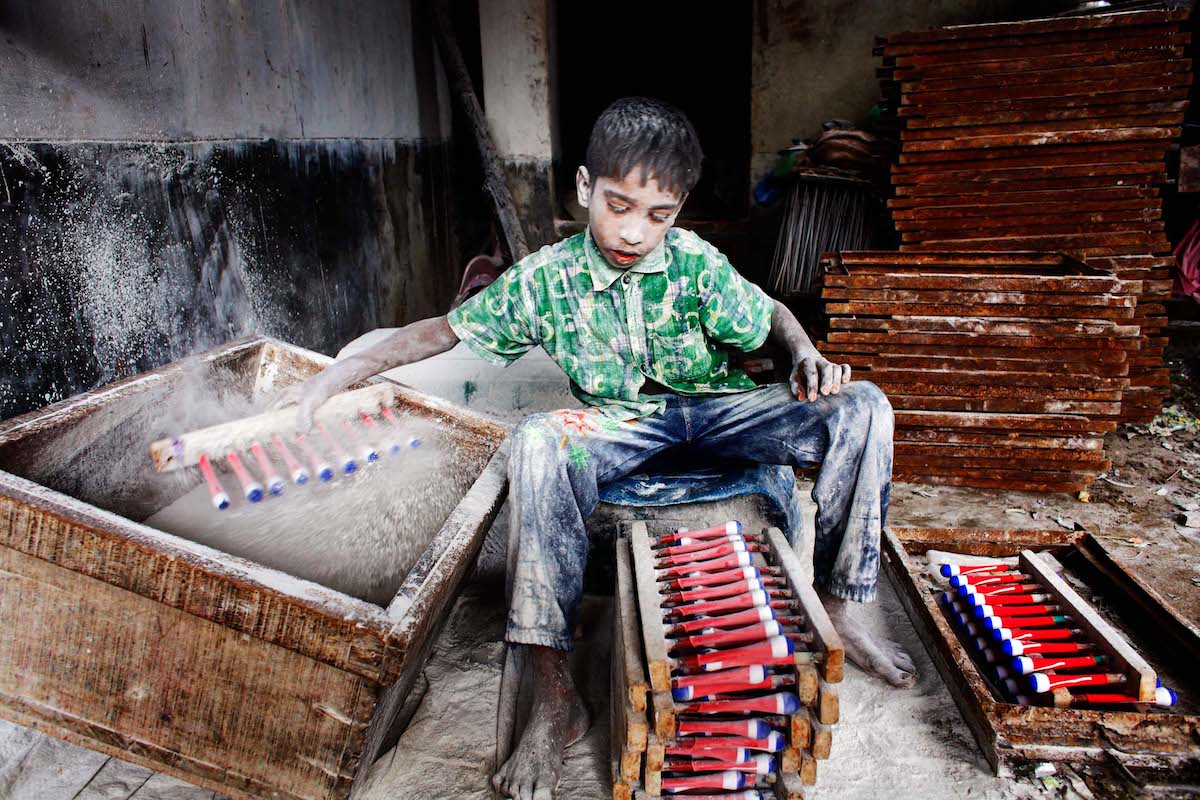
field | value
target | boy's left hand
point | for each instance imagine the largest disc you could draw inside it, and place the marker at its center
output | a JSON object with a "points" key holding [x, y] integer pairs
{"points": [[814, 375]]}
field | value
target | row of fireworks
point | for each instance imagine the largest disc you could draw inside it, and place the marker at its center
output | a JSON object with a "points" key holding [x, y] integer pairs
{"points": [[732, 631], [317, 456], [1030, 643]]}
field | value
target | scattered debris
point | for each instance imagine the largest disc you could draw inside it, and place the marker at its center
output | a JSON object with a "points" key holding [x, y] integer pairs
{"points": [[924, 493]]}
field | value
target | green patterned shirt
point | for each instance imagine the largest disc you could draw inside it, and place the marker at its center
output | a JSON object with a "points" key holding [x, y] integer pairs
{"points": [[671, 317]]}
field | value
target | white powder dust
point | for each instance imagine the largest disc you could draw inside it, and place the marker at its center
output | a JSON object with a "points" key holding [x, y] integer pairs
{"points": [[359, 534]]}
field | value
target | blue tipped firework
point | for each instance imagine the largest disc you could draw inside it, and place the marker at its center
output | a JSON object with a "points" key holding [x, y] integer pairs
{"points": [[220, 500], [319, 466], [251, 488], [348, 465], [299, 474], [369, 453], [275, 483]]}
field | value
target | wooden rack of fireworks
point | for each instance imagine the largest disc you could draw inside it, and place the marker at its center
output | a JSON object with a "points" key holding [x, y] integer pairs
{"points": [[725, 665], [1052, 650]]}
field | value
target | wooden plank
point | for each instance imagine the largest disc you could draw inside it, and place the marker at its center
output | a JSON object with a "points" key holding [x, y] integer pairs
{"points": [[801, 729], [636, 686], [655, 757], [807, 679], [654, 634], [825, 639], [300, 738], [1125, 659], [828, 707]]}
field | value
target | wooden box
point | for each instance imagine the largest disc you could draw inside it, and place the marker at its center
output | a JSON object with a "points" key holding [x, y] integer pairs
{"points": [[182, 658], [1151, 744]]}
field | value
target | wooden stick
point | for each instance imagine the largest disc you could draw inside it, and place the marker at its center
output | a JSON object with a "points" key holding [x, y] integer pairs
{"points": [[185, 450], [825, 638]]}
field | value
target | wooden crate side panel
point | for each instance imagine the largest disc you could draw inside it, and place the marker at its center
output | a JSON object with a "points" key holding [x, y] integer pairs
{"points": [[126, 675], [343, 633]]}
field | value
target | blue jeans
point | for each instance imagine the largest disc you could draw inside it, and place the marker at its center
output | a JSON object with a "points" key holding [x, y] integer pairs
{"points": [[559, 459]]}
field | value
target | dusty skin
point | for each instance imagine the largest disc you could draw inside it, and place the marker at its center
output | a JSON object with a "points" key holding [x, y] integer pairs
{"points": [[558, 720], [873, 654]]}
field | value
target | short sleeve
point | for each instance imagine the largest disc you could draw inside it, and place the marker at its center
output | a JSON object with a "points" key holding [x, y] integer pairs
{"points": [[733, 310], [500, 323]]}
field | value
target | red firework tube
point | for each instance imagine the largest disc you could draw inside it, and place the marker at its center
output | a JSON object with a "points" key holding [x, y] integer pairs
{"points": [[773, 742], [1015, 613], [688, 694], [1047, 621], [348, 464], [714, 607], [750, 728], [1004, 601], [251, 488], [718, 780], [274, 482], [714, 592], [755, 673], [950, 570], [775, 647], [713, 578], [220, 499], [736, 620], [731, 561], [1016, 647], [761, 764], [729, 528], [735, 754], [698, 546], [758, 632], [299, 474], [368, 452], [1162, 697], [388, 442], [778, 703], [700, 556], [1003, 588], [960, 582], [1045, 682], [748, 794], [320, 468], [1026, 665], [1040, 634]]}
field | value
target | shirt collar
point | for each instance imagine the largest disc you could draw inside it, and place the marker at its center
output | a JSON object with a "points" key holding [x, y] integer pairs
{"points": [[605, 275]]}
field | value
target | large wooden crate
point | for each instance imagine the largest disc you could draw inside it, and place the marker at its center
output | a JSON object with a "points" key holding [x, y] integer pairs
{"points": [[187, 660], [1156, 745]]}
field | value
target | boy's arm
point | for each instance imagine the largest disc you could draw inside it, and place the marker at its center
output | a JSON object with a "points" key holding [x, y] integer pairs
{"points": [[414, 342], [811, 373]]}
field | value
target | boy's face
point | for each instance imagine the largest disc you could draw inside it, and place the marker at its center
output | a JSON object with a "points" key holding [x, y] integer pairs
{"points": [[628, 218]]}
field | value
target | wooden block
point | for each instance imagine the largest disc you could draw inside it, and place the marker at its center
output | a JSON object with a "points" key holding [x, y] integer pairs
{"points": [[789, 759], [636, 686], [622, 791], [801, 728], [807, 679], [664, 715], [1142, 677], [808, 768], [828, 708], [822, 738], [654, 639], [825, 639], [656, 753]]}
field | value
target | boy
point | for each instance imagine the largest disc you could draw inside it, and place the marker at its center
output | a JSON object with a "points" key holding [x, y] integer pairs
{"points": [[640, 316]]}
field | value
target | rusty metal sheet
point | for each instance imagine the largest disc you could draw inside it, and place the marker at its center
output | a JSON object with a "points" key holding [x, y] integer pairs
{"points": [[1084, 387], [1035, 156], [942, 282], [1098, 112], [1073, 331], [1026, 179], [1025, 485], [1060, 355], [1037, 126], [889, 361], [1129, 229], [864, 308], [920, 436], [1077, 27], [982, 340], [988, 140], [967, 206], [1153, 95], [1053, 423], [993, 405], [1049, 221]]}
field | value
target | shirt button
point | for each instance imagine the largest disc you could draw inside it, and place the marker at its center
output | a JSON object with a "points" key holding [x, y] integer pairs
{"points": [[626, 279]]}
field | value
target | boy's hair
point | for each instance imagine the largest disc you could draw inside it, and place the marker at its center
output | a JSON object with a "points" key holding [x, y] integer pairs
{"points": [[640, 132]]}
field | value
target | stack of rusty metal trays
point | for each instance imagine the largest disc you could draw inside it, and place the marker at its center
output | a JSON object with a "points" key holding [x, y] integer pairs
{"points": [[1046, 135], [1005, 369]]}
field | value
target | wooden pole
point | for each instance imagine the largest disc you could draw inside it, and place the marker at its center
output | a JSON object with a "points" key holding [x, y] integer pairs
{"points": [[493, 173]]}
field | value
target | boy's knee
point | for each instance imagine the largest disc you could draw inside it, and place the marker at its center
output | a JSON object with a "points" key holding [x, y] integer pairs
{"points": [[870, 396], [529, 435]]}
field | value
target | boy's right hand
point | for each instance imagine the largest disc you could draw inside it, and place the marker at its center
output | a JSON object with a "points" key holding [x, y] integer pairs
{"points": [[309, 396]]}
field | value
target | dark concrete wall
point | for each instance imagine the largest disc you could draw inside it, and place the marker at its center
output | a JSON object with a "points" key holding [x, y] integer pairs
{"points": [[177, 174]]}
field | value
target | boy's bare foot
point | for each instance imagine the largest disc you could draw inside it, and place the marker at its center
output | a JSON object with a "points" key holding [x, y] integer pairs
{"points": [[872, 653], [558, 719]]}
